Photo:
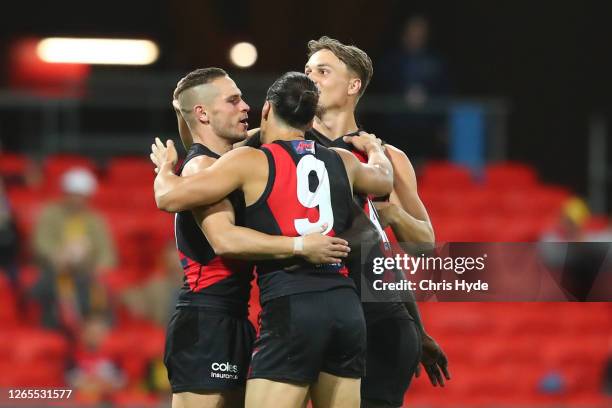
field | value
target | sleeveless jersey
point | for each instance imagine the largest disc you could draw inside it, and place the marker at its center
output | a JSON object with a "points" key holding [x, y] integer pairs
{"points": [[209, 280], [387, 305], [307, 187], [387, 235]]}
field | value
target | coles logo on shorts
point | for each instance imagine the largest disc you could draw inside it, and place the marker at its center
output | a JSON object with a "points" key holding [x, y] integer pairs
{"points": [[224, 370]]}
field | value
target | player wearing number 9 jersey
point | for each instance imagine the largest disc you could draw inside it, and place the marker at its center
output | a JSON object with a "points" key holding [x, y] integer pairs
{"points": [[312, 335]]}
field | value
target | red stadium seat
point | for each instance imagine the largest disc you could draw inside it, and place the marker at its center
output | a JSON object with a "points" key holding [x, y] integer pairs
{"points": [[59, 163], [36, 345], [26, 205], [510, 175], [597, 224], [117, 197], [13, 164], [39, 374], [9, 315], [446, 175], [130, 171]]}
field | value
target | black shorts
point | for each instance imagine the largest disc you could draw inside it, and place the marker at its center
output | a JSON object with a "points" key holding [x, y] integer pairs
{"points": [[394, 351], [304, 334], [207, 350]]}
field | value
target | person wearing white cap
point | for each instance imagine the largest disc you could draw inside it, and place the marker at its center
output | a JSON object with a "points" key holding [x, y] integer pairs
{"points": [[79, 181], [71, 244]]}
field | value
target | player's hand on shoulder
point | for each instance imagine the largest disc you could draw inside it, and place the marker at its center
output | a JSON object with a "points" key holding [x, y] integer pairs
{"points": [[323, 249], [163, 155], [364, 141]]}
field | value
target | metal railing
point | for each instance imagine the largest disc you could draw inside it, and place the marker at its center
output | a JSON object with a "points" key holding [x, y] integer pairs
{"points": [[120, 114]]}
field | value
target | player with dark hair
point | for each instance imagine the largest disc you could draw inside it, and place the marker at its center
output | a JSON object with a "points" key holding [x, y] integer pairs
{"points": [[209, 338], [312, 334]]}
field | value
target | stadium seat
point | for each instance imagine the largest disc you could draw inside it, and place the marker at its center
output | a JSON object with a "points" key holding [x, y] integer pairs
{"points": [[13, 165], [117, 197], [443, 174], [9, 315], [510, 175], [36, 345], [26, 205], [130, 171]]}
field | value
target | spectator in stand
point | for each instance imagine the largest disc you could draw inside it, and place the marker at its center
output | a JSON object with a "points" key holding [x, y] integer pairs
{"points": [[568, 250], [9, 242], [419, 75], [155, 300], [413, 69], [569, 228], [73, 247], [94, 375]]}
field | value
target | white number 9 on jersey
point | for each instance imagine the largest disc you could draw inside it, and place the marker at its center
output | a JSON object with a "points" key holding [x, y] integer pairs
{"points": [[321, 197]]}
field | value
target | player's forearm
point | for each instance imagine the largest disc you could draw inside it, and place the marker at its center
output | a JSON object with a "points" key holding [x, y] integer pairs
{"points": [[174, 193], [413, 308], [408, 228], [245, 243], [383, 168]]}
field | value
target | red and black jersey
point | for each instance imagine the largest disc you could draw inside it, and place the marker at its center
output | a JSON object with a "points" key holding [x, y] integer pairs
{"points": [[307, 187], [387, 305], [210, 280], [364, 202]]}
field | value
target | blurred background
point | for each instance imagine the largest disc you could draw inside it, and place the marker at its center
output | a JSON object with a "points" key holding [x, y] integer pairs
{"points": [[502, 108]]}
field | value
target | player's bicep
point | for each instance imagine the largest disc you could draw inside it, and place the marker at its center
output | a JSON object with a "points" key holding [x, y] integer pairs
{"points": [[370, 179], [405, 191], [215, 219], [216, 181]]}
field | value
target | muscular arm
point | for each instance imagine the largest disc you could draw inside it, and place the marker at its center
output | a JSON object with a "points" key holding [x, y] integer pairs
{"points": [[376, 176], [406, 215], [218, 224], [173, 193], [410, 222]]}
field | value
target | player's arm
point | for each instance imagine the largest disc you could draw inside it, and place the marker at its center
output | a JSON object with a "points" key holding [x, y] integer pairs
{"points": [[232, 241], [376, 176], [218, 224], [174, 193], [249, 141], [405, 213], [410, 222]]}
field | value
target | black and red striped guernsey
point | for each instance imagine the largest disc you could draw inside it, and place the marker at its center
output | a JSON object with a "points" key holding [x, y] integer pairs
{"points": [[388, 305], [307, 187], [210, 281], [387, 235]]}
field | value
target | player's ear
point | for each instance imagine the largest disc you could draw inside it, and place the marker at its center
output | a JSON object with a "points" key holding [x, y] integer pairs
{"points": [[354, 86], [201, 114], [265, 111]]}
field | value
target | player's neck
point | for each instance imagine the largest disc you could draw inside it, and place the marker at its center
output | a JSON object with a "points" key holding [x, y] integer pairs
{"points": [[215, 143], [336, 123], [276, 132]]}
